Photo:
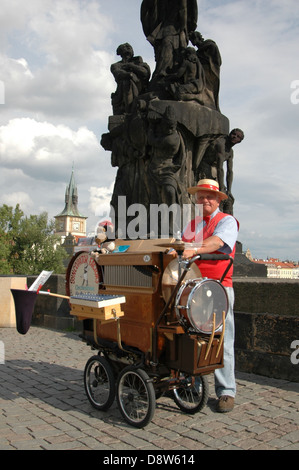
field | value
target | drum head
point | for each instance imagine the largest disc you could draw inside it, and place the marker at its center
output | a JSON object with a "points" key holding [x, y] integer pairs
{"points": [[171, 276], [206, 298]]}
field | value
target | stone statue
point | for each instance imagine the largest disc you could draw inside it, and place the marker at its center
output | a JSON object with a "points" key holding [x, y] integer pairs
{"points": [[210, 58], [189, 80], [164, 142], [127, 141], [166, 159], [166, 25], [116, 141], [212, 164], [167, 130], [131, 75]]}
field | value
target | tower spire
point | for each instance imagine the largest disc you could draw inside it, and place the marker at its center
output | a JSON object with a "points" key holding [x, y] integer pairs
{"points": [[71, 198]]}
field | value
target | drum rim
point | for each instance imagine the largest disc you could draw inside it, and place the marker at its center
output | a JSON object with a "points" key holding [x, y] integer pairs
{"points": [[179, 293]]}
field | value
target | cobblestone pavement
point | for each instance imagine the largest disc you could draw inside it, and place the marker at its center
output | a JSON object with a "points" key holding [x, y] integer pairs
{"points": [[43, 406]]}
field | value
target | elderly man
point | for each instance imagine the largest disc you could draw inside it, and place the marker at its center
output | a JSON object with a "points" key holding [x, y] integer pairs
{"points": [[218, 233]]}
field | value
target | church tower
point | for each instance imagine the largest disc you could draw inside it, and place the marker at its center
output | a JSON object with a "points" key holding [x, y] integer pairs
{"points": [[70, 221]]}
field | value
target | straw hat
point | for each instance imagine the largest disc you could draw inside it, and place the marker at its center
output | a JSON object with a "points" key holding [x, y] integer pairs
{"points": [[208, 185]]}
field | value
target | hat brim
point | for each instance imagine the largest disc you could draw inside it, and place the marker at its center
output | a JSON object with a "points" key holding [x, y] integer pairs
{"points": [[195, 189]]}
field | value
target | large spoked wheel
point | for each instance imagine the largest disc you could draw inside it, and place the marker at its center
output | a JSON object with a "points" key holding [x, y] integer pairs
{"points": [[99, 383], [136, 396], [192, 394]]}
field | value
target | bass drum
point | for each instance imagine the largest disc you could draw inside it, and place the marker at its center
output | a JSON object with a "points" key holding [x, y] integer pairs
{"points": [[83, 275], [196, 303]]}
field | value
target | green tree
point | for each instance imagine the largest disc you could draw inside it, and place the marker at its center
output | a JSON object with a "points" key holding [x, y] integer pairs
{"points": [[9, 222], [28, 243], [4, 254]]}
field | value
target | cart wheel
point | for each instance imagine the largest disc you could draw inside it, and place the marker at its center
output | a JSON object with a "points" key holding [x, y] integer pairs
{"points": [[189, 397], [99, 383], [135, 396]]}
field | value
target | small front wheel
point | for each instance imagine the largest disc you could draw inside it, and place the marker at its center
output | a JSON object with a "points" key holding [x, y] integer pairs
{"points": [[99, 383], [192, 394], [135, 396]]}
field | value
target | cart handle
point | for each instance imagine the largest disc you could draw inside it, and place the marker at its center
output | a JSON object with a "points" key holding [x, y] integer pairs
{"points": [[213, 257]]}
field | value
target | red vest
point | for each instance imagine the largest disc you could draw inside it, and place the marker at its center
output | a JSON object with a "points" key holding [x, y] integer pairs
{"points": [[212, 269]]}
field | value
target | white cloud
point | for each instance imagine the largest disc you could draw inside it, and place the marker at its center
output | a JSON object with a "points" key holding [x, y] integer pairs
{"points": [[73, 76], [45, 150], [69, 29], [21, 198], [100, 200]]}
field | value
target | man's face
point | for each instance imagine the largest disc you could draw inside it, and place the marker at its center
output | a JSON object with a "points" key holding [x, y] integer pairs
{"points": [[210, 201], [236, 137]]}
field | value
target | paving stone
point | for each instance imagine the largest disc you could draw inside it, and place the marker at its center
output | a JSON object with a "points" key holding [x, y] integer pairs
{"points": [[43, 406]]}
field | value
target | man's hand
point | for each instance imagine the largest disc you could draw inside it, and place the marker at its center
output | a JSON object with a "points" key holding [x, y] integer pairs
{"points": [[190, 253]]}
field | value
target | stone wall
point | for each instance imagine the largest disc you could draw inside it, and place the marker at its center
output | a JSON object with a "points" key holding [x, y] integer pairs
{"points": [[266, 317], [53, 312], [263, 344], [262, 295], [267, 323]]}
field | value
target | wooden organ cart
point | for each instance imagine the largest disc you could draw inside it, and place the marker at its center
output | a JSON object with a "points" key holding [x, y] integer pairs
{"points": [[157, 326]]}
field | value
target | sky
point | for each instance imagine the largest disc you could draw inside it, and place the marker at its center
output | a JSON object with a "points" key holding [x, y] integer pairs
{"points": [[55, 87]]}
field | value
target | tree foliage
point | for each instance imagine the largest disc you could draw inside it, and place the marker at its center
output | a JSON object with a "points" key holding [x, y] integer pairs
{"points": [[28, 245]]}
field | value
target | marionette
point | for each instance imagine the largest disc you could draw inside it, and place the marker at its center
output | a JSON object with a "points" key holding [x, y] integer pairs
{"points": [[104, 237]]}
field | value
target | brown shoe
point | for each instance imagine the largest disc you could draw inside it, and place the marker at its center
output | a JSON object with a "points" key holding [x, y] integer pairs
{"points": [[225, 404]]}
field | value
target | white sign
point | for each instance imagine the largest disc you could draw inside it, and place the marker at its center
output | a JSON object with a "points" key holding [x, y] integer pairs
{"points": [[41, 280]]}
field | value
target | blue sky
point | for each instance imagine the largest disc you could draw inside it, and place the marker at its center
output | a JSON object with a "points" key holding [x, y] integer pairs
{"points": [[55, 58]]}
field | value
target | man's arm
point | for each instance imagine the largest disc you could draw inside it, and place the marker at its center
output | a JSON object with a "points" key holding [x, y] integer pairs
{"points": [[209, 245], [223, 239]]}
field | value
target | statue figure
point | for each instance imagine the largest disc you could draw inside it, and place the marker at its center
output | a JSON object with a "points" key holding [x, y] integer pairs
{"points": [[189, 80], [166, 25], [127, 142], [166, 159], [164, 141], [116, 141], [131, 75], [210, 58], [217, 153]]}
